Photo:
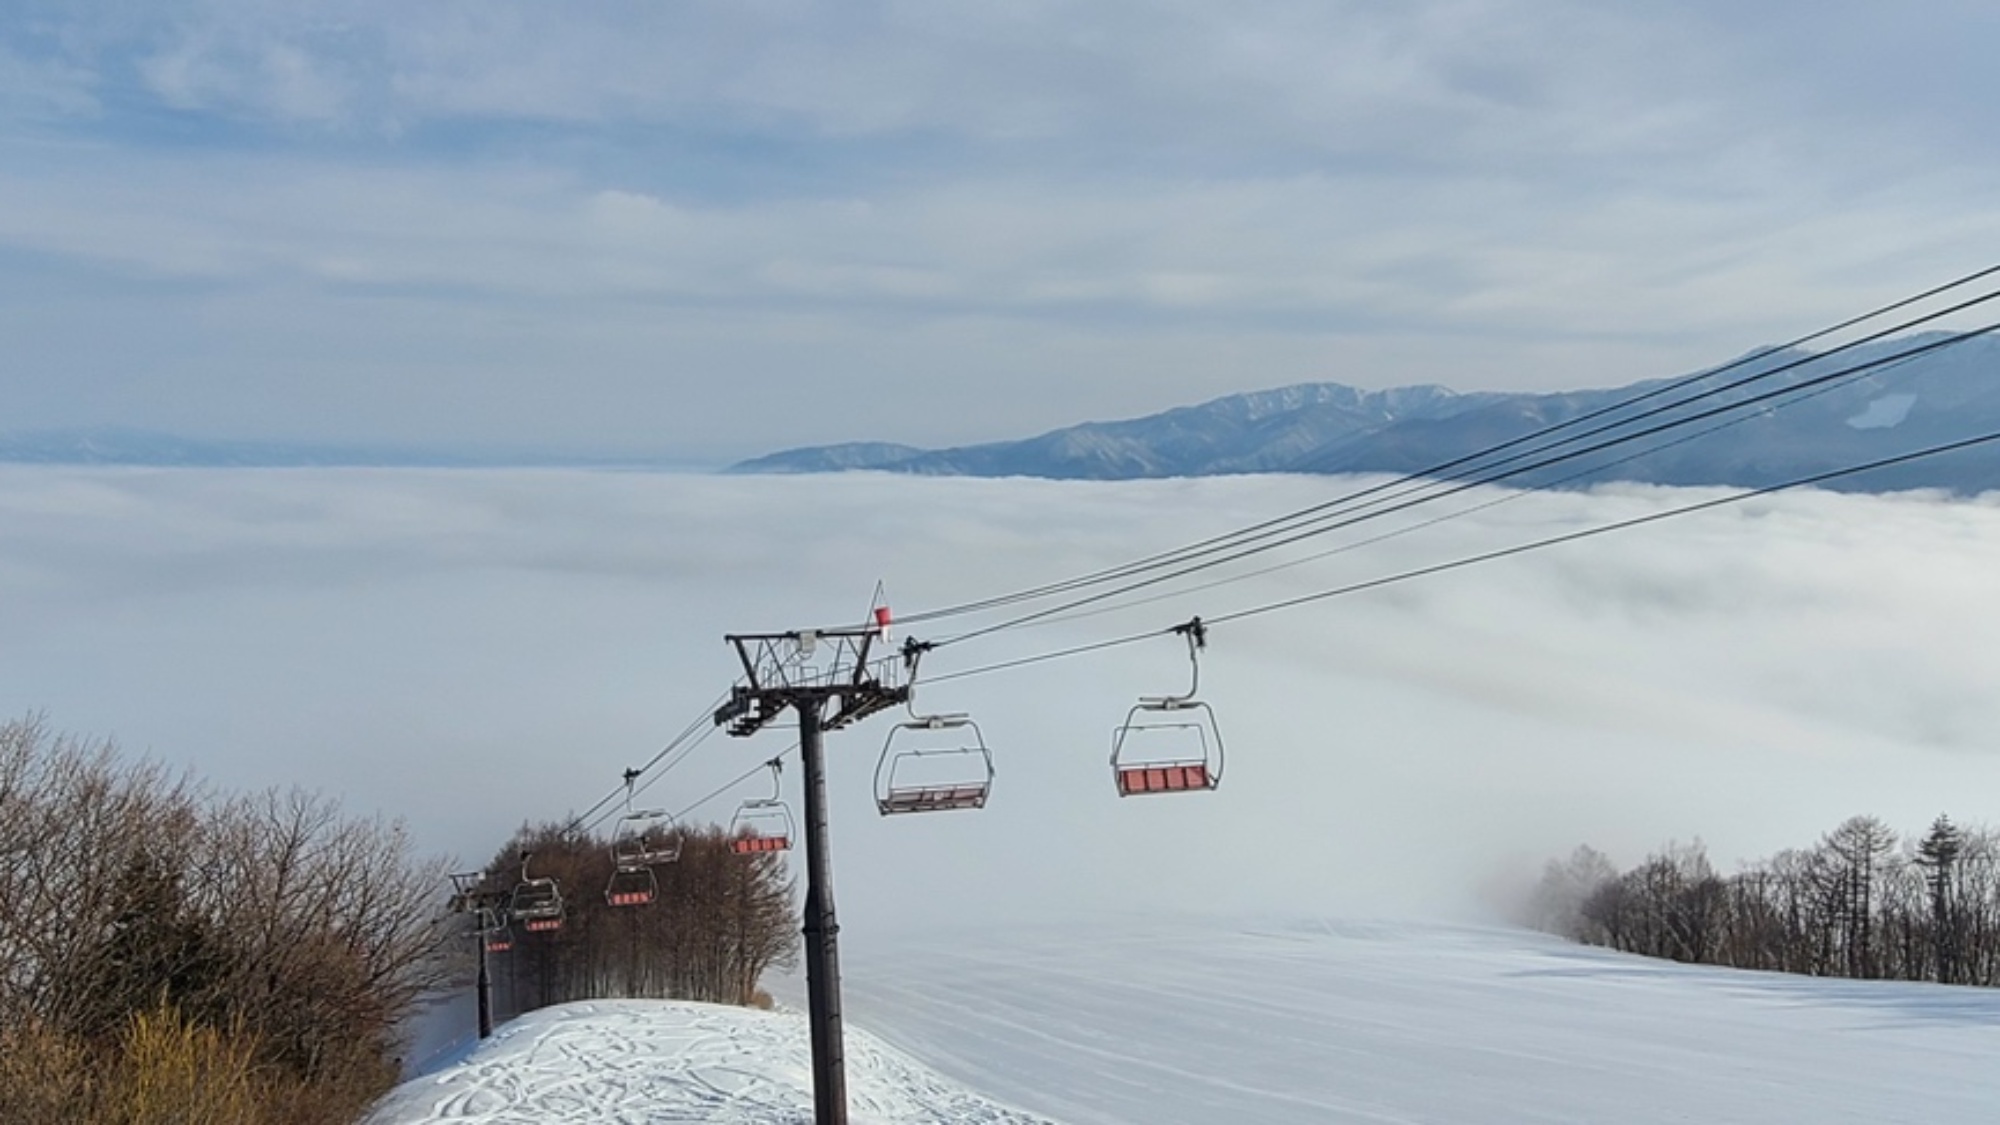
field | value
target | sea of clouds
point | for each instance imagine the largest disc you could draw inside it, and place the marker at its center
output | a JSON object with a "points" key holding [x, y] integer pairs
{"points": [[471, 650]]}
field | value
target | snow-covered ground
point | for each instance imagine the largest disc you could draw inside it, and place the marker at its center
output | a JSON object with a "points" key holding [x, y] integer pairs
{"points": [[1169, 1022], [630, 1061]]}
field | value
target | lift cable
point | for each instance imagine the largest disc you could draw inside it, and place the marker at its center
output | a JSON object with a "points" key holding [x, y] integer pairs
{"points": [[698, 729], [1456, 564], [1803, 391], [707, 731], [746, 775], [1320, 524], [1298, 534], [1177, 554], [1592, 532], [1488, 556], [1508, 497]]}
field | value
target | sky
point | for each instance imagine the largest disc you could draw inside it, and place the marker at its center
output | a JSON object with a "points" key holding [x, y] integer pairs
{"points": [[702, 231], [471, 650]]}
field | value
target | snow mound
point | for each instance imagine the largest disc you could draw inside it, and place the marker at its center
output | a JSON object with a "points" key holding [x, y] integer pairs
{"points": [[670, 1061]]}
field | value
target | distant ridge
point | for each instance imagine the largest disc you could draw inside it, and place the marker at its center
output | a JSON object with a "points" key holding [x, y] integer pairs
{"points": [[146, 448], [1262, 431], [1313, 428], [1332, 428]]}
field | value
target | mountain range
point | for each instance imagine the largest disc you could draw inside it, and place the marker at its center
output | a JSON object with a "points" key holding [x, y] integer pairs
{"points": [[1771, 417], [122, 446]]}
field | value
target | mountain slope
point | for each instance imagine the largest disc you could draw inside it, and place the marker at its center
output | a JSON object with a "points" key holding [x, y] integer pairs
{"points": [[1263, 431]]}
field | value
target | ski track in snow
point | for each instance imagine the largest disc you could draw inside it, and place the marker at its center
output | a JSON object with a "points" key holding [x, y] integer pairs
{"points": [[1181, 1023], [641, 1062]]}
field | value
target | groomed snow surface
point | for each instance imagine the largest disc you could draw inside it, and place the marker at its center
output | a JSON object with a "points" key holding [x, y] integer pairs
{"points": [[1200, 1023]]}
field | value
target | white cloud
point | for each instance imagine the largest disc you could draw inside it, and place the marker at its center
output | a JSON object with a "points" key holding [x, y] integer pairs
{"points": [[1338, 252], [1038, 303], [1507, 84], [1062, 210], [45, 88]]}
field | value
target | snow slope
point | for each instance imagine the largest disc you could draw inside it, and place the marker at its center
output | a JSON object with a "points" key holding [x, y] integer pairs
{"points": [[620, 1061], [1191, 1023]]}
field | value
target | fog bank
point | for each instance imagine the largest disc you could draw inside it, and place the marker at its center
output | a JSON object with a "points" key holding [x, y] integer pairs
{"points": [[468, 650]]}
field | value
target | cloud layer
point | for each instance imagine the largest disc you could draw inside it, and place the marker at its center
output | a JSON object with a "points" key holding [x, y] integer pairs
{"points": [[475, 650]]}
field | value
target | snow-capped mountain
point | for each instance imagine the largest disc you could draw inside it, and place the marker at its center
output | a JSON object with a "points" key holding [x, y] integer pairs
{"points": [[1822, 412]]}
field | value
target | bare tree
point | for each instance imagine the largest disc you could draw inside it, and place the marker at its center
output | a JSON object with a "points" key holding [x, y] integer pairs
{"points": [[124, 890], [1854, 904], [719, 922], [1855, 854]]}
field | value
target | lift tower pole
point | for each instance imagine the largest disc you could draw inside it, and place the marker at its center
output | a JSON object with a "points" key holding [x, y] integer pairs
{"points": [[485, 989], [822, 933], [807, 671], [473, 898]]}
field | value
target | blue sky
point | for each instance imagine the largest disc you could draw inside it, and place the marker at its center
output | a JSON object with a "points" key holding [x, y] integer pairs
{"points": [[709, 230]]}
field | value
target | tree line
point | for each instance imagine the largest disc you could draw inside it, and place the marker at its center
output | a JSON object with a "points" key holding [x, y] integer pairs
{"points": [[169, 953], [719, 921], [1860, 902]]}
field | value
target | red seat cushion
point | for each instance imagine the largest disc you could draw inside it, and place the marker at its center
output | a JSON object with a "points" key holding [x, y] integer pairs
{"points": [[1178, 777]]}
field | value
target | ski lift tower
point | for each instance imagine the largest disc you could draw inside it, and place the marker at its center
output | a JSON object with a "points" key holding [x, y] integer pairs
{"points": [[471, 895], [831, 678]]}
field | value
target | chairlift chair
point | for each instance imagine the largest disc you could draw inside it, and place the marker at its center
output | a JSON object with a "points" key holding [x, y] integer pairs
{"points": [[536, 902], [645, 838], [916, 774], [494, 931], [1170, 743], [1150, 755], [765, 824], [641, 839], [632, 886]]}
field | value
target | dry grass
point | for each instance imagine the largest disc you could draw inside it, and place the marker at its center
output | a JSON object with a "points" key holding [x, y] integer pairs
{"points": [[165, 1070], [172, 1072], [45, 1078]]}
